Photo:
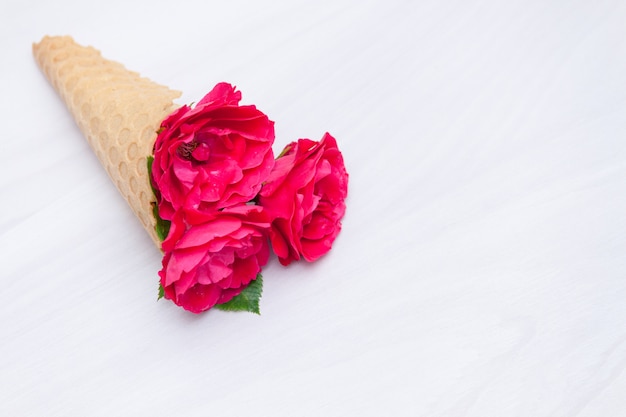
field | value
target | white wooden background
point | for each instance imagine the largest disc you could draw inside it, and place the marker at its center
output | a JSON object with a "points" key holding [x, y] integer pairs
{"points": [[482, 266]]}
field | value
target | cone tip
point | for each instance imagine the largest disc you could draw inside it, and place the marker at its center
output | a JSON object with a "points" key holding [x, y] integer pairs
{"points": [[52, 41]]}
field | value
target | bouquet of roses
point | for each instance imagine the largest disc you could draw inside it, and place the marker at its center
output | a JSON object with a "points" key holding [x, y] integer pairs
{"points": [[202, 179]]}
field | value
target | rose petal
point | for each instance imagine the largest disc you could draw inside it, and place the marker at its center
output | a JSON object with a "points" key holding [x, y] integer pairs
{"points": [[202, 233]]}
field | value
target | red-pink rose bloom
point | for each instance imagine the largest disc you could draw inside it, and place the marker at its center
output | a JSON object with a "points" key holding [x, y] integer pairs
{"points": [[214, 155], [305, 197], [211, 262]]}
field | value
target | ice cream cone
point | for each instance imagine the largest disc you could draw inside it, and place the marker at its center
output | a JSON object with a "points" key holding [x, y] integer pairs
{"points": [[118, 112]]}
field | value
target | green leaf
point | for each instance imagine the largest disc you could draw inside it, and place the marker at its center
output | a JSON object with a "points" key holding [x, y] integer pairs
{"points": [[247, 300], [162, 226], [150, 161], [284, 151], [161, 292]]}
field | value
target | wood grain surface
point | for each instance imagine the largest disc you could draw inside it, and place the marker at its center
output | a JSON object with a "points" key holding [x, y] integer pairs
{"points": [[481, 269]]}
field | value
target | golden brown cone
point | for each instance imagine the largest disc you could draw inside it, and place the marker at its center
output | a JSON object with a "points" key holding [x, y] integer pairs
{"points": [[118, 112]]}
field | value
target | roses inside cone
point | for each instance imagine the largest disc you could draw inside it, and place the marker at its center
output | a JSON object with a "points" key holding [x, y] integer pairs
{"points": [[221, 198], [217, 183]]}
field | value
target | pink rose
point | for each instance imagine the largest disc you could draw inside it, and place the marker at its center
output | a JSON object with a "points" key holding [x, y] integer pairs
{"points": [[211, 262], [214, 155], [305, 197]]}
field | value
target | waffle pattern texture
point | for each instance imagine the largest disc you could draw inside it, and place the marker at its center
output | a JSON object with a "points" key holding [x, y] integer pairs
{"points": [[117, 110]]}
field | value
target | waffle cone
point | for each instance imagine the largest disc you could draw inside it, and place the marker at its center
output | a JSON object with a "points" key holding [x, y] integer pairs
{"points": [[118, 112]]}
